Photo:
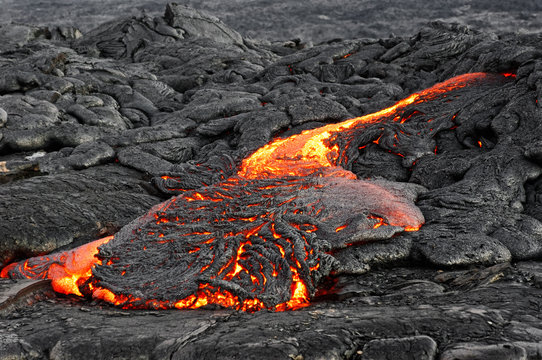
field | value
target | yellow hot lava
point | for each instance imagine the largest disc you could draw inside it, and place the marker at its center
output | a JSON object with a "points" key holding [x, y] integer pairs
{"points": [[299, 155], [308, 152]]}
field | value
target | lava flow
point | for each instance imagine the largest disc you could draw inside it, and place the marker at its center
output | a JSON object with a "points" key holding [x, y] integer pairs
{"points": [[258, 240], [312, 151]]}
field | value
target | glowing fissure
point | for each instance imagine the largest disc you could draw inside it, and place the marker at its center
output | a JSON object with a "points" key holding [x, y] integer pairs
{"points": [[310, 153]]}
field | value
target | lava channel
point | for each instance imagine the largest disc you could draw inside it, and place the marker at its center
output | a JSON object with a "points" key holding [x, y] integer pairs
{"points": [[259, 240]]}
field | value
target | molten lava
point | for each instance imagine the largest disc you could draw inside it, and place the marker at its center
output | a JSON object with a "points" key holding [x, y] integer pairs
{"points": [[68, 269], [257, 240], [311, 151]]}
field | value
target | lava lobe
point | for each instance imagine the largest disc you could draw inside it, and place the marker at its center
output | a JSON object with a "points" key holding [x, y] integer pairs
{"points": [[261, 239]]}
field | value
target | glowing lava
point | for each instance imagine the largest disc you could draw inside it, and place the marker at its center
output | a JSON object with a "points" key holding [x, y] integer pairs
{"points": [[311, 151], [67, 269], [232, 250]]}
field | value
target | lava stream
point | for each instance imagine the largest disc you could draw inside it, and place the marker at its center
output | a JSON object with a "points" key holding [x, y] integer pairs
{"points": [[310, 151], [310, 154]]}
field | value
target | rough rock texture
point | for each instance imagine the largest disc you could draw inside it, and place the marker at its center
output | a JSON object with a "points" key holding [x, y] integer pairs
{"points": [[87, 120], [288, 235], [406, 313], [41, 214], [286, 19], [416, 347]]}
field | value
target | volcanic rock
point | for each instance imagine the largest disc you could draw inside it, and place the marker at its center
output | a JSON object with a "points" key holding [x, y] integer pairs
{"points": [[358, 260], [475, 351], [200, 24], [416, 347], [501, 312], [69, 207], [87, 121]]}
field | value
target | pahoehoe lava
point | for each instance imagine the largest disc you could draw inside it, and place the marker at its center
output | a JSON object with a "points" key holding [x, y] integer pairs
{"points": [[232, 173], [263, 238]]}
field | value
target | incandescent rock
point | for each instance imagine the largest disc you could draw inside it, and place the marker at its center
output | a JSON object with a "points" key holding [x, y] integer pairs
{"points": [[87, 120]]}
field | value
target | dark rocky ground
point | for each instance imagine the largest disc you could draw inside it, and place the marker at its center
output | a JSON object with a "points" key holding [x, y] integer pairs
{"points": [[316, 21], [404, 313], [87, 122]]}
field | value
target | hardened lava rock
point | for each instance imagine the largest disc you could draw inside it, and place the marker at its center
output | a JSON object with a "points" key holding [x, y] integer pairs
{"points": [[183, 99], [255, 239], [97, 128]]}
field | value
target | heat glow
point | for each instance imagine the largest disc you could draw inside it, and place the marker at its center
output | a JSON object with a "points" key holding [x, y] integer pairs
{"points": [[310, 153]]}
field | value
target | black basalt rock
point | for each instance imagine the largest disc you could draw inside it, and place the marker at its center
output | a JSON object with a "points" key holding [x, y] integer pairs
{"points": [[97, 128]]}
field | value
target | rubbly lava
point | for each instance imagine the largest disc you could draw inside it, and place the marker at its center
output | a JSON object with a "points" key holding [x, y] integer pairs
{"points": [[261, 239]]}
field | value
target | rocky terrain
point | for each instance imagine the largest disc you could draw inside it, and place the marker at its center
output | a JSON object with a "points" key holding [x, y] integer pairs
{"points": [[98, 128], [314, 22]]}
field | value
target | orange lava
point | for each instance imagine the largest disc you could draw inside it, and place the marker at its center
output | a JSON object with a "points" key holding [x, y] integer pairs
{"points": [[310, 151], [67, 270], [304, 154]]}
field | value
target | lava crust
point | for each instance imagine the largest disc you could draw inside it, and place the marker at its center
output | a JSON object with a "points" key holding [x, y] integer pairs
{"points": [[261, 239], [389, 190]]}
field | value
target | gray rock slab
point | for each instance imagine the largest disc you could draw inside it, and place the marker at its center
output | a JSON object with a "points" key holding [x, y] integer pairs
{"points": [[68, 207], [472, 351], [411, 348], [463, 250], [358, 259]]}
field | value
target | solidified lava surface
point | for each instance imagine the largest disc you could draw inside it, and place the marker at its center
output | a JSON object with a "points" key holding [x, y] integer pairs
{"points": [[263, 238], [387, 189]]}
